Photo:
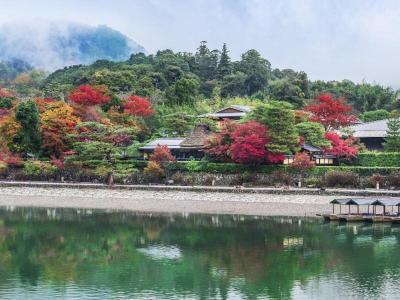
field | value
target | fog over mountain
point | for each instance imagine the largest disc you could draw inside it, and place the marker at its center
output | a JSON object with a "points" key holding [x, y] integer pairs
{"points": [[54, 45]]}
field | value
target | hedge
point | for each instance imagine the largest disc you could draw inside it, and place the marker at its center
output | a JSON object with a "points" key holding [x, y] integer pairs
{"points": [[230, 168], [209, 167], [381, 159]]}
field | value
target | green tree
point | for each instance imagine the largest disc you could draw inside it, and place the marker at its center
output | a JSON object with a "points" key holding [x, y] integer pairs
{"points": [[285, 90], [279, 118], [374, 115], [176, 124], [28, 137], [233, 85], [313, 134], [182, 92], [392, 139], [257, 70], [206, 62], [224, 65]]}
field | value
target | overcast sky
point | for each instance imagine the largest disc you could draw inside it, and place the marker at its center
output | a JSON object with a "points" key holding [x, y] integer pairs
{"points": [[357, 40]]}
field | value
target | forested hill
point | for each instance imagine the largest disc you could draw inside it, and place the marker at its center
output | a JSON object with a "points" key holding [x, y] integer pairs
{"points": [[168, 76], [186, 78], [50, 46]]}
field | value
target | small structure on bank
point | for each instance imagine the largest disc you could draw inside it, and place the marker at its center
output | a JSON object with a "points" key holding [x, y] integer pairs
{"points": [[365, 210]]}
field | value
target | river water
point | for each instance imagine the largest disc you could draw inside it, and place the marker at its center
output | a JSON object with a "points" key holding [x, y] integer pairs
{"points": [[89, 254]]}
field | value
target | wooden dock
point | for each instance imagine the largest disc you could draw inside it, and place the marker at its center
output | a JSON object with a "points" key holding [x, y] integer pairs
{"points": [[381, 210]]}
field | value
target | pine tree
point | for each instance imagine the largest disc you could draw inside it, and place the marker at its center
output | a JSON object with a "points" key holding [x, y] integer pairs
{"points": [[278, 117], [392, 140], [225, 65], [28, 137], [206, 62]]}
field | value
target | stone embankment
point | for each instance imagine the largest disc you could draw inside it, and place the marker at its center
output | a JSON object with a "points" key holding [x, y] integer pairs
{"points": [[178, 199]]}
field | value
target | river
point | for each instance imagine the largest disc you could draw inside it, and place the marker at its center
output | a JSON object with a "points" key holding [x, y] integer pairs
{"points": [[98, 254]]}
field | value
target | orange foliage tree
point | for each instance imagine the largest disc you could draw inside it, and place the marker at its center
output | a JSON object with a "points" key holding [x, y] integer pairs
{"points": [[57, 122]]}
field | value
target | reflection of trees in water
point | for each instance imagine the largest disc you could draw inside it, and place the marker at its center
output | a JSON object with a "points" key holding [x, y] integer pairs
{"points": [[259, 256]]}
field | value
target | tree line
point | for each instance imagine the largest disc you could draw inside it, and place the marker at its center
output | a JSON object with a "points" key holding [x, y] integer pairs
{"points": [[183, 78]]}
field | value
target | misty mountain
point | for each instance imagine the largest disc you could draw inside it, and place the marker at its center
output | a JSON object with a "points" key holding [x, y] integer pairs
{"points": [[54, 45]]}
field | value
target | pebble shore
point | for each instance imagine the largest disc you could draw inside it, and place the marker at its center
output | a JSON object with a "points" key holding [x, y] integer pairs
{"points": [[167, 201]]}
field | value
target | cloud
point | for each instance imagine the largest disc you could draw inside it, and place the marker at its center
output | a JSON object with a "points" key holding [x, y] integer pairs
{"points": [[50, 45], [352, 39]]}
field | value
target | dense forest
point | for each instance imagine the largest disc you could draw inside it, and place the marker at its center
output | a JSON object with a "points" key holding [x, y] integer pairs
{"points": [[185, 79]]}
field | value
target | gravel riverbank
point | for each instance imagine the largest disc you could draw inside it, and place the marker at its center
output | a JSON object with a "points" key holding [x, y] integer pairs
{"points": [[167, 201]]}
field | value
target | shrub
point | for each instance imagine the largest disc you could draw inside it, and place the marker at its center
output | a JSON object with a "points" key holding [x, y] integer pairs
{"points": [[36, 168], [394, 180], [376, 178], [281, 178], [178, 177], [341, 179], [102, 170], [3, 168], [154, 170], [313, 182], [193, 166], [6, 103]]}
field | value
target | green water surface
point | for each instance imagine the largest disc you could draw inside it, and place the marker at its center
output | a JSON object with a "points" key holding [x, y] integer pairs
{"points": [[86, 254]]}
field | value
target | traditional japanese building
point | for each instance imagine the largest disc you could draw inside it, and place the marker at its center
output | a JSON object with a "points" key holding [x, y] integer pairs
{"points": [[371, 134], [233, 112], [183, 148], [316, 154]]}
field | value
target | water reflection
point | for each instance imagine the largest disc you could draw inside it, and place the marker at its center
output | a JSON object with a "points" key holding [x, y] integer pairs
{"points": [[49, 253]]}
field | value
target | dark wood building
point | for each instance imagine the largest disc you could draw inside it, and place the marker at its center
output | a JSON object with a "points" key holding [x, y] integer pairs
{"points": [[371, 134]]}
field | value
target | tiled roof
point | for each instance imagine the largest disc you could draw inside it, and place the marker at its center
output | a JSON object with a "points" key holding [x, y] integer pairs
{"points": [[241, 111], [311, 148], [223, 115], [241, 108], [370, 129], [172, 143]]}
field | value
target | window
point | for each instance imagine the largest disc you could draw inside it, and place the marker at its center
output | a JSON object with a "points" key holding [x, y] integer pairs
{"points": [[288, 160], [324, 161]]}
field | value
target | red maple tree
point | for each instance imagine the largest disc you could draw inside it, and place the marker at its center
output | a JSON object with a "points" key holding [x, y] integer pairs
{"points": [[4, 93], [242, 143], [89, 95], [249, 140], [162, 155], [343, 148], [218, 145], [138, 106], [302, 162], [331, 113]]}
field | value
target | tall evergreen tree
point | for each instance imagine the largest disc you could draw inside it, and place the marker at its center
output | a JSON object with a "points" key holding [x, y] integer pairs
{"points": [[204, 62], [392, 140], [225, 65], [28, 137]]}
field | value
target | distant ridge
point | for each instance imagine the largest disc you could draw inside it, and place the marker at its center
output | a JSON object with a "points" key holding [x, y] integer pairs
{"points": [[54, 45]]}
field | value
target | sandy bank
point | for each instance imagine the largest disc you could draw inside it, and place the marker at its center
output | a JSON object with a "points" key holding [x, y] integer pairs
{"points": [[167, 201]]}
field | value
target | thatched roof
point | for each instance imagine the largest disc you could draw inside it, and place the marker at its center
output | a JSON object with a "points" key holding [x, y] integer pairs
{"points": [[198, 137]]}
